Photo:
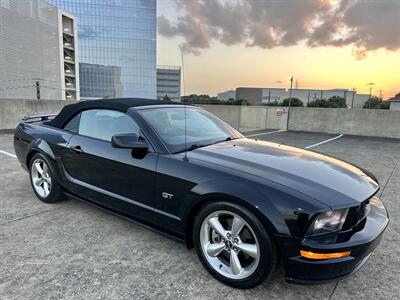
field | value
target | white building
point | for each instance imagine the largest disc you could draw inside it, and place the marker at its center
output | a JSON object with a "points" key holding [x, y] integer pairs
{"points": [[38, 51], [169, 83], [227, 95], [394, 103], [258, 96]]}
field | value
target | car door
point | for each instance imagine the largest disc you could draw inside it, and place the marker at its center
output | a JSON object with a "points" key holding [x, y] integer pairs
{"points": [[111, 177]]}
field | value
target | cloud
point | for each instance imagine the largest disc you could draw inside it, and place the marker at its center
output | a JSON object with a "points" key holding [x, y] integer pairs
{"points": [[365, 25], [360, 54]]}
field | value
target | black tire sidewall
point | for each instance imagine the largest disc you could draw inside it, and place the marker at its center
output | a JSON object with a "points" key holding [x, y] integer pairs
{"points": [[267, 247]]}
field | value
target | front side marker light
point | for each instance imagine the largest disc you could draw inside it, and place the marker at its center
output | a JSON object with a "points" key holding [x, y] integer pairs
{"points": [[313, 255]]}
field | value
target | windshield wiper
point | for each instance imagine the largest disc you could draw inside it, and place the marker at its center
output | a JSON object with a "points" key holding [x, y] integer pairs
{"points": [[229, 138], [196, 146]]}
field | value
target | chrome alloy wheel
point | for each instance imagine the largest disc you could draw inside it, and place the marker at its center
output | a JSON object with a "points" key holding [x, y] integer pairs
{"points": [[229, 245], [41, 178]]}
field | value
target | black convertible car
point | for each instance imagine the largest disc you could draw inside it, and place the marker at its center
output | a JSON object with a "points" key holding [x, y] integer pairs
{"points": [[243, 204]]}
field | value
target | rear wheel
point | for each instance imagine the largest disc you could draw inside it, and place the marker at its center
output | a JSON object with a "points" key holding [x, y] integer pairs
{"points": [[43, 181], [233, 245]]}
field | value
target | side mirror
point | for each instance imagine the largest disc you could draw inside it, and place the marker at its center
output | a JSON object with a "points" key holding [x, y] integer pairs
{"points": [[129, 141]]}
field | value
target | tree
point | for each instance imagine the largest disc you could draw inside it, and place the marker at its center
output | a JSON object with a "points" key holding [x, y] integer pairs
{"points": [[337, 102], [376, 103], [166, 98], [397, 95], [295, 102], [318, 103], [274, 103], [332, 102], [240, 102]]}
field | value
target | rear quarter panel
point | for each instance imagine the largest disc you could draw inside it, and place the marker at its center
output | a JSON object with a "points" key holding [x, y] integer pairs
{"points": [[30, 138]]}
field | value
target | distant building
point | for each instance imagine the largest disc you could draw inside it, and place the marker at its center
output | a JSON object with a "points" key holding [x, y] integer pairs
{"points": [[258, 96], [227, 95], [394, 103], [169, 83], [118, 33], [38, 51], [100, 81]]}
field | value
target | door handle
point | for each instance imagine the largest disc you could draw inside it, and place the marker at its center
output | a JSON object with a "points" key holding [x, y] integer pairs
{"points": [[76, 149]]}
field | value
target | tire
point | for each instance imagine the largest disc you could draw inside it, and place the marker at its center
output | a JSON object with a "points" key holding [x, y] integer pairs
{"points": [[252, 247], [42, 175]]}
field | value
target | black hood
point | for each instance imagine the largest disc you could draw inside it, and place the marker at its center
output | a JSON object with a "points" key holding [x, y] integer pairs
{"points": [[326, 179]]}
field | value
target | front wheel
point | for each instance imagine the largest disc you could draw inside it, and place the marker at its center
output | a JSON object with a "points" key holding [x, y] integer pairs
{"points": [[233, 245]]}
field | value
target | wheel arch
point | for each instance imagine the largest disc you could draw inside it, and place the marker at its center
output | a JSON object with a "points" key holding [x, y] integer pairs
{"points": [[38, 146], [222, 197]]}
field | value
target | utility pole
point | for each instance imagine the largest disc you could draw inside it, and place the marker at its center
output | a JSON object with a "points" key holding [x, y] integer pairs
{"points": [[37, 89], [352, 97], [369, 98], [183, 74], [290, 103], [370, 92], [269, 96]]}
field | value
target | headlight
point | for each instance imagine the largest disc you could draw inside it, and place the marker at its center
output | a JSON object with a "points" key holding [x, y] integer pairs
{"points": [[329, 221]]}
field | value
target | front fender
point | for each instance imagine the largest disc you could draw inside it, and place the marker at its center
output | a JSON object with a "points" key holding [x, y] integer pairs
{"points": [[246, 194]]}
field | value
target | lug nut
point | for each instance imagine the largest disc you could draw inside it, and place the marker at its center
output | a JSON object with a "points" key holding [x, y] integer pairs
{"points": [[228, 235], [236, 240]]}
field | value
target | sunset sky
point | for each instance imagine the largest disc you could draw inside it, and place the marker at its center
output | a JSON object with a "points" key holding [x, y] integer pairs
{"points": [[261, 43]]}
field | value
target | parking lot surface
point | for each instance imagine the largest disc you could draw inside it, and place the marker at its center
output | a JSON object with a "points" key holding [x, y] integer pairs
{"points": [[72, 250]]}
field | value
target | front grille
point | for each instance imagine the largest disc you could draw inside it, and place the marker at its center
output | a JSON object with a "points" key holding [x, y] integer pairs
{"points": [[356, 215]]}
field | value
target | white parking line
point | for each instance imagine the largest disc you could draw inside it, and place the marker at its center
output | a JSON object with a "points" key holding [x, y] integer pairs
{"points": [[265, 133], [7, 153], [323, 142]]}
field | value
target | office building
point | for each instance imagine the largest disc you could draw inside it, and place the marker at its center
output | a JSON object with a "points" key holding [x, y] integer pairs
{"points": [[395, 102], [118, 39], [104, 81], [169, 83], [37, 51], [227, 95]]}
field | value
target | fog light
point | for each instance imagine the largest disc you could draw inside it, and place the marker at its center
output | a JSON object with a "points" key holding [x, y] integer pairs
{"points": [[313, 255]]}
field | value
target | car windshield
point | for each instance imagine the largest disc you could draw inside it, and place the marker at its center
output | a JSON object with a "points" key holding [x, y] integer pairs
{"points": [[202, 128]]}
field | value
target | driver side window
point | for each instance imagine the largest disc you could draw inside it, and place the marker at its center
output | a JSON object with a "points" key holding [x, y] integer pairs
{"points": [[102, 124]]}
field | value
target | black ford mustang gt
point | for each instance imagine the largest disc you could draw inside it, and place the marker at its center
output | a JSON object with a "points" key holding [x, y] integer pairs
{"points": [[241, 203]]}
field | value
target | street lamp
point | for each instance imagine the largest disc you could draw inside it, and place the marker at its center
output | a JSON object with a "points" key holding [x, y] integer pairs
{"points": [[371, 84], [290, 102]]}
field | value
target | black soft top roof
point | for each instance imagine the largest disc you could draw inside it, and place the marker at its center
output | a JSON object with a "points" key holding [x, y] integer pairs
{"points": [[120, 104]]}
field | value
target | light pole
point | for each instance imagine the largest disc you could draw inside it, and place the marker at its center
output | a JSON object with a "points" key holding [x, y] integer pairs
{"points": [[352, 97], [371, 84], [290, 103]]}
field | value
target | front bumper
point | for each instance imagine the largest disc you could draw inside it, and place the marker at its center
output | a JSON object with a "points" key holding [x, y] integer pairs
{"points": [[361, 241]]}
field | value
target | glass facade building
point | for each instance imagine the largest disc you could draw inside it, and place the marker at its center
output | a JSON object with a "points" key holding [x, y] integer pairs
{"points": [[116, 47]]}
